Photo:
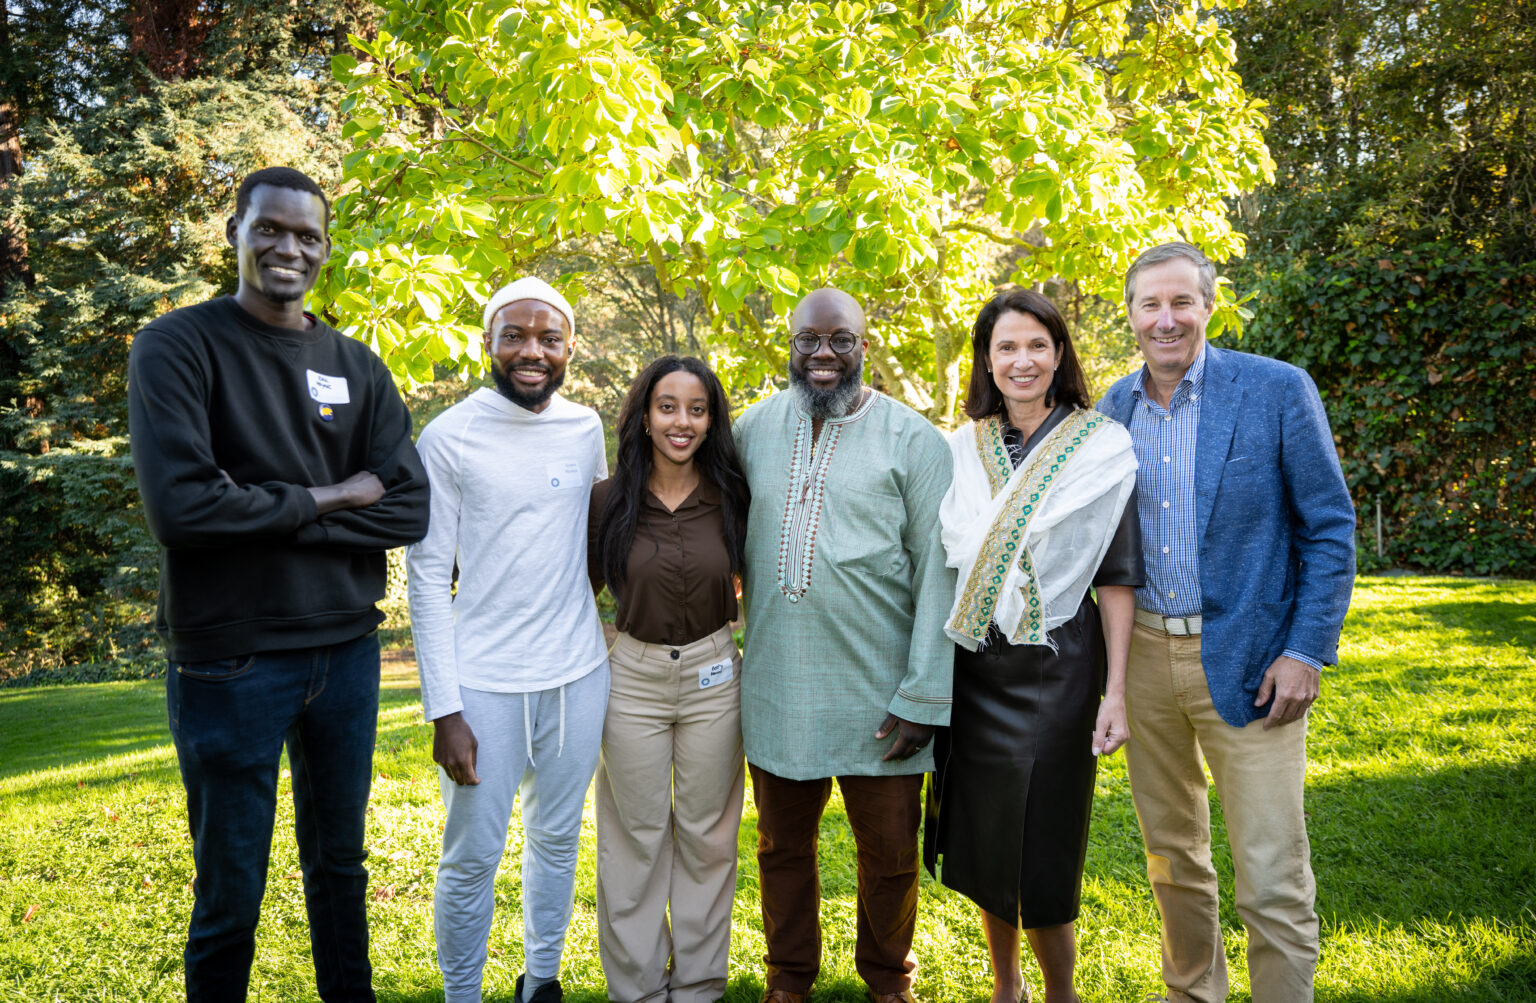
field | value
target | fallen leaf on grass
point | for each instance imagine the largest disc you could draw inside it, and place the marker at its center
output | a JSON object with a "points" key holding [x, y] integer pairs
{"points": [[294, 875], [398, 855], [384, 893], [31, 911]]}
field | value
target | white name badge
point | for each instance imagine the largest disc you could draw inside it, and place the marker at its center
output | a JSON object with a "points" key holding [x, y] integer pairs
{"points": [[714, 675], [563, 475], [327, 389]]}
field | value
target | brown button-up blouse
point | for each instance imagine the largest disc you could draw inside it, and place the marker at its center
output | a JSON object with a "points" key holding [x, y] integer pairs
{"points": [[679, 586]]}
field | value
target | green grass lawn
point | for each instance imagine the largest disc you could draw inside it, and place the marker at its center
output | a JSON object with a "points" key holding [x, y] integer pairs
{"points": [[1422, 800]]}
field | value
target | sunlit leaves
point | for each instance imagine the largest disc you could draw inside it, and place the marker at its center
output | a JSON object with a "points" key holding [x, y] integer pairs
{"points": [[750, 152]]}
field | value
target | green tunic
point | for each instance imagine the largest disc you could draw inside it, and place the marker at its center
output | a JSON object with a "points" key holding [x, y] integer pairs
{"points": [[846, 587]]}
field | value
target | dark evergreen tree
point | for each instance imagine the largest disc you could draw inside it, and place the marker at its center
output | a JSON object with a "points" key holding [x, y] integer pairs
{"points": [[137, 119]]}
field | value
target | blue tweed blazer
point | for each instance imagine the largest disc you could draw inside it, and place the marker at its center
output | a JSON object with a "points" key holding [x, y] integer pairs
{"points": [[1274, 518]]}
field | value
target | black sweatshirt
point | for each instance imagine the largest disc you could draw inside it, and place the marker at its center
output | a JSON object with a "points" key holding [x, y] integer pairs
{"points": [[249, 566]]}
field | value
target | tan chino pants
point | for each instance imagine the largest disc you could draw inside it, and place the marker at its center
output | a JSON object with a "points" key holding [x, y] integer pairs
{"points": [[1259, 778], [669, 797]]}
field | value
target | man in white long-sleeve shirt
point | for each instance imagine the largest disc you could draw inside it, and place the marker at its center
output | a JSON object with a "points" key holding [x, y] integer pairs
{"points": [[514, 672]]}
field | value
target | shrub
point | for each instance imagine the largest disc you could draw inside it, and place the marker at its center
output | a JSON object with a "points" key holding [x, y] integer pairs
{"points": [[82, 566], [1426, 360]]}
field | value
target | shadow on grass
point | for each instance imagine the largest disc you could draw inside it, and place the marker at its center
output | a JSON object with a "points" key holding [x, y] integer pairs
{"points": [[1494, 622], [88, 724], [1511, 983], [1405, 847], [742, 989], [79, 724]]}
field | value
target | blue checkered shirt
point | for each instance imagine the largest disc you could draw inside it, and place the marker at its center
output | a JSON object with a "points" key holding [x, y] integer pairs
{"points": [[1164, 439]]}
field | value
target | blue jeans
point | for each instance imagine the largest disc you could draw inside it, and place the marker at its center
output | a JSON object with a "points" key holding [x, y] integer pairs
{"points": [[229, 720]]}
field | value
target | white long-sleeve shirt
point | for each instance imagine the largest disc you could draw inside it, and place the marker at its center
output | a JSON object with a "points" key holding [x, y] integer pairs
{"points": [[509, 502]]}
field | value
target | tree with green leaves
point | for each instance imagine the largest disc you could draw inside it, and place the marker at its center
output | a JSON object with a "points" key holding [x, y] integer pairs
{"points": [[137, 119], [1394, 257], [742, 150]]}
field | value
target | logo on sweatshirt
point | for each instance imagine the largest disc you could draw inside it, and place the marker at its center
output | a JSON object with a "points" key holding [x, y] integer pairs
{"points": [[327, 413]]}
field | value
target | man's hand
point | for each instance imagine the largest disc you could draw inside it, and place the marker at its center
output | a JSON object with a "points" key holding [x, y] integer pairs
{"points": [[1294, 685], [453, 748], [1112, 729], [358, 491], [913, 738]]}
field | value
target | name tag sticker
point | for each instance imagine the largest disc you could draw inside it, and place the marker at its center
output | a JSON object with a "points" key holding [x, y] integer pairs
{"points": [[566, 474], [327, 389], [714, 675]]}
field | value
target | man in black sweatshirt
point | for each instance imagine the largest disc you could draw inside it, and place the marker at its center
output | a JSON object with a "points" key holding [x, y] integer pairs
{"points": [[275, 462]]}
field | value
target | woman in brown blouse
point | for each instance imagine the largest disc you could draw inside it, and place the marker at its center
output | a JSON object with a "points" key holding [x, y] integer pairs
{"points": [[666, 533]]}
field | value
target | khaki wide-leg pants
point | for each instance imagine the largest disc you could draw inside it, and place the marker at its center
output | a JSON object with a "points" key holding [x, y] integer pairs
{"points": [[669, 796], [1259, 777]]}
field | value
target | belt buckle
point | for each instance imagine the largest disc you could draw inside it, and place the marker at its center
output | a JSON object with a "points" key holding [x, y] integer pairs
{"points": [[1178, 626]]}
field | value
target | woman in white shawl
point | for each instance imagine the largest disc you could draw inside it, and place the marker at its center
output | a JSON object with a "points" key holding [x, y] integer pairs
{"points": [[1042, 506]]}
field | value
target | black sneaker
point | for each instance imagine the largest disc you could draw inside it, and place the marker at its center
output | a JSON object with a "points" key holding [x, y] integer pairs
{"points": [[549, 992]]}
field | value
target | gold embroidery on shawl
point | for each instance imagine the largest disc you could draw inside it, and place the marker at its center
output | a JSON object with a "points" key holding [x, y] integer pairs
{"points": [[993, 453], [1004, 541]]}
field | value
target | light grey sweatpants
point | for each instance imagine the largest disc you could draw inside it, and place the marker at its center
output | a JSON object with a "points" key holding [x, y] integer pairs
{"points": [[543, 746]]}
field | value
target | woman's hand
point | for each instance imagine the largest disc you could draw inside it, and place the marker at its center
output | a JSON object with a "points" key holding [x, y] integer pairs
{"points": [[1112, 729]]}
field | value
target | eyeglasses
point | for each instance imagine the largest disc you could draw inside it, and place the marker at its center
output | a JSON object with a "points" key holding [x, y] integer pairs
{"points": [[842, 342]]}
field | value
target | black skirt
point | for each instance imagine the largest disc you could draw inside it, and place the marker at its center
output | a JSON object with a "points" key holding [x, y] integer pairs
{"points": [[1008, 811]]}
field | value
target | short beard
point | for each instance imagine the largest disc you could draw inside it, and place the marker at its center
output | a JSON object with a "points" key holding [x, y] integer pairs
{"points": [[523, 398], [833, 402]]}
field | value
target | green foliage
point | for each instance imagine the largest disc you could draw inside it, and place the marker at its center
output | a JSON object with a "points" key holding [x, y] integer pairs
{"points": [[1421, 800], [126, 211], [135, 137], [739, 149], [1393, 257], [1394, 124], [80, 568], [1426, 361]]}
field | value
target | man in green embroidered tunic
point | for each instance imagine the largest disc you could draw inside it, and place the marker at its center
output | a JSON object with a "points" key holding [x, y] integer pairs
{"points": [[847, 668]]}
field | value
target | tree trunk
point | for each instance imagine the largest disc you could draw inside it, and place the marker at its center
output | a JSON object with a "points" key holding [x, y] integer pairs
{"points": [[13, 242]]}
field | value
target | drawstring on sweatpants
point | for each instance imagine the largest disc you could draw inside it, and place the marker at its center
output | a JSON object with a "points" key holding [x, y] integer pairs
{"points": [[528, 727]]}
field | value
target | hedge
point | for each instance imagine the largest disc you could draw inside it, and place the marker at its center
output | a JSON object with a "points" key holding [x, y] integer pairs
{"points": [[1426, 360]]}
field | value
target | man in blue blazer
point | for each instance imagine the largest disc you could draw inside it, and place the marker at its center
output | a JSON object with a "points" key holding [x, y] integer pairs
{"points": [[1248, 534]]}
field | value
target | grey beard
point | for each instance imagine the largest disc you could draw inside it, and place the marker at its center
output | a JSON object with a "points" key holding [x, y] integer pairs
{"points": [[834, 402]]}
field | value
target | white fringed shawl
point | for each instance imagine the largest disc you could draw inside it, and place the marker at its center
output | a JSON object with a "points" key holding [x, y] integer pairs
{"points": [[1028, 542]]}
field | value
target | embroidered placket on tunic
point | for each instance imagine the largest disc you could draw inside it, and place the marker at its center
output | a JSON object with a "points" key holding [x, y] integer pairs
{"points": [[802, 508]]}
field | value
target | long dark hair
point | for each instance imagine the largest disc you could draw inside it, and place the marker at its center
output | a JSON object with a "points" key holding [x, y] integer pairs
{"points": [[716, 460], [1068, 386]]}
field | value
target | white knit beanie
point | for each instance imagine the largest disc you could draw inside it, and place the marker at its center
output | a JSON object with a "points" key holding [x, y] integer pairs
{"points": [[528, 288]]}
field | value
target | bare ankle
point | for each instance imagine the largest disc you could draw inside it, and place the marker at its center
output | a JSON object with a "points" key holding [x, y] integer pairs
{"points": [[1009, 990]]}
